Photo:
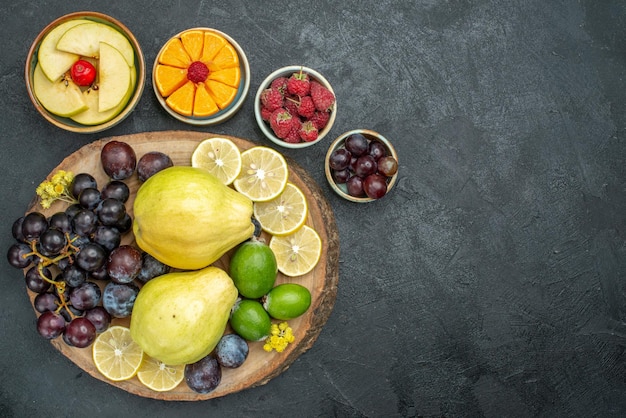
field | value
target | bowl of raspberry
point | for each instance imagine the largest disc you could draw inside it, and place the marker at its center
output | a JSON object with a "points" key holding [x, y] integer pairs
{"points": [[295, 107], [361, 166]]}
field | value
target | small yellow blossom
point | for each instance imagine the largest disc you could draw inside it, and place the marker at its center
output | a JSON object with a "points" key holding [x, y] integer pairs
{"points": [[281, 335], [57, 188]]}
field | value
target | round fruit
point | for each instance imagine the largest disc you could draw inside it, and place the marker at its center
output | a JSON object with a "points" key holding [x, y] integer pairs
{"points": [[159, 376], [231, 351], [357, 144], [287, 301], [220, 157], [284, 214], [253, 269], [297, 253], [250, 320], [204, 375], [387, 166], [340, 159], [116, 355], [263, 174], [375, 186], [83, 73], [151, 163], [118, 160]]}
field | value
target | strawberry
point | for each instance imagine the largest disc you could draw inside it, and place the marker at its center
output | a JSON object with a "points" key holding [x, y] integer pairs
{"points": [[299, 84], [272, 99], [306, 107], [320, 119], [281, 122], [323, 98], [308, 132]]}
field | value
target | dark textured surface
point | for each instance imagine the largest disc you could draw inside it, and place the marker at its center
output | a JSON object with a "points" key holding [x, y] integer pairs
{"points": [[489, 283]]}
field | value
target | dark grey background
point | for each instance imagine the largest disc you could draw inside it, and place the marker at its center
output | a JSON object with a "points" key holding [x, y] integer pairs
{"points": [[489, 283]]}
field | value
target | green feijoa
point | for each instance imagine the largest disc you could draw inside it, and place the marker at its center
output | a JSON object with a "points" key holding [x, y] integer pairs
{"points": [[250, 320], [253, 269], [287, 301]]}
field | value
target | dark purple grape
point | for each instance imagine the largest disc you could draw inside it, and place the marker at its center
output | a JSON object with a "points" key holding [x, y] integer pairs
{"points": [[89, 198], [116, 189], [64, 262], [231, 351], [118, 160], [74, 276], [16, 229], [72, 210], [35, 282], [341, 176], [82, 181], [71, 314], [85, 296], [357, 144], [151, 268], [107, 237], [80, 332], [151, 163], [52, 242], [124, 264], [339, 159], [91, 257], [125, 224], [365, 165], [99, 317], [17, 255], [85, 222], [119, 299], [44, 302], [33, 225], [61, 221], [354, 185], [375, 186], [204, 375], [387, 166], [377, 150], [110, 211], [100, 274], [50, 325]]}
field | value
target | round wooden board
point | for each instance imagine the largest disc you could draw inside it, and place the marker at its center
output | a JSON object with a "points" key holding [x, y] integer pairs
{"points": [[260, 366]]}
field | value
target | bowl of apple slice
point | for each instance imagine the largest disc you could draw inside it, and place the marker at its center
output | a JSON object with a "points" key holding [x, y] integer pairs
{"points": [[85, 72]]}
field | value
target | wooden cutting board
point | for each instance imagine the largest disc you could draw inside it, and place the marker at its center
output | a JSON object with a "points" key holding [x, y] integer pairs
{"points": [[260, 366]]}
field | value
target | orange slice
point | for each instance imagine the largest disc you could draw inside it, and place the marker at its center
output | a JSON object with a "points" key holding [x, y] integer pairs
{"points": [[181, 101], [174, 54], [228, 76], [212, 44], [227, 57], [203, 104], [193, 41], [168, 79], [221, 93]]}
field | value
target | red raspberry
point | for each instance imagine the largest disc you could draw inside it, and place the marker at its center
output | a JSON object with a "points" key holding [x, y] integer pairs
{"points": [[197, 72], [308, 132], [293, 137], [279, 84], [291, 104], [299, 84], [323, 98], [281, 122], [266, 113], [272, 99], [306, 107], [320, 119]]}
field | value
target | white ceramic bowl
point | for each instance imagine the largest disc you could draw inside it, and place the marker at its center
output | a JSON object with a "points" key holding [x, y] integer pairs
{"points": [[67, 123], [340, 188], [224, 114], [287, 72]]}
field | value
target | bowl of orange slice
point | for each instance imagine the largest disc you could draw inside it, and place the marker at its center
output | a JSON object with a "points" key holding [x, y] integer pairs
{"points": [[201, 76]]}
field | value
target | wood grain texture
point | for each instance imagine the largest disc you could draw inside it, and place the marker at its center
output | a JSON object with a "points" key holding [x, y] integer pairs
{"points": [[260, 367]]}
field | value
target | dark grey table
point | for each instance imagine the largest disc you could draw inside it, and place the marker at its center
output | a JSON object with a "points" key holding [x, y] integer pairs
{"points": [[491, 282]]}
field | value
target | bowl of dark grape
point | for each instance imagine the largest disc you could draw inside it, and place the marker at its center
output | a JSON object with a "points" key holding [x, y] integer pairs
{"points": [[361, 166]]}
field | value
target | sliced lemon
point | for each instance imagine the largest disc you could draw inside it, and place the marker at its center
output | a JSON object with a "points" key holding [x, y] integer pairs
{"points": [[220, 157], [284, 214], [158, 376], [297, 253], [263, 174], [116, 355]]}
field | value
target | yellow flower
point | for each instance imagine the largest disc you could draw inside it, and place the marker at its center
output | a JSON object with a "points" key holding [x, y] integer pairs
{"points": [[281, 335], [57, 188]]}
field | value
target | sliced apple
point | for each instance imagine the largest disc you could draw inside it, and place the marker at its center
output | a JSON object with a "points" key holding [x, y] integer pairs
{"points": [[62, 97], [114, 77], [55, 63], [93, 116], [85, 40]]}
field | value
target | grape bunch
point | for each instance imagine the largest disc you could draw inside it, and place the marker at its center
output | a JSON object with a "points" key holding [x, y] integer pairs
{"points": [[74, 260], [363, 165]]}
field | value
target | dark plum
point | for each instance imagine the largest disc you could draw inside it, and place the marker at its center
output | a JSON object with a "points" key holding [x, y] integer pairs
{"points": [[151, 163], [375, 186], [204, 375], [357, 144], [124, 264], [116, 189], [231, 351], [119, 299], [118, 160]]}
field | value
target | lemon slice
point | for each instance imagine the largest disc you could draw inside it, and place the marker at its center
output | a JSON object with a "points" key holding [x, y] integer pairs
{"points": [[284, 214], [220, 157], [116, 355], [297, 253], [158, 376], [263, 174]]}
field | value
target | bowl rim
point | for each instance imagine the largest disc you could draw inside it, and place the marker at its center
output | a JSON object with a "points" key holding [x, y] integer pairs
{"points": [[66, 123], [372, 135], [242, 91], [263, 125]]}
